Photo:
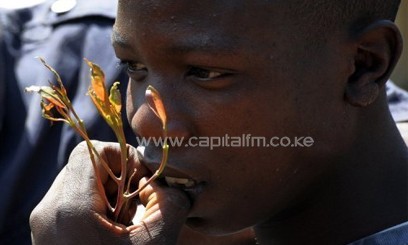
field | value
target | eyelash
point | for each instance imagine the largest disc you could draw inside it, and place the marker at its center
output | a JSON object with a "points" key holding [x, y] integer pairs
{"points": [[204, 74], [201, 74], [126, 66]]}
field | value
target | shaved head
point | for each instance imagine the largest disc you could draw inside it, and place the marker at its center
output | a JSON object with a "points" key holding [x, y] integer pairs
{"points": [[350, 14]]}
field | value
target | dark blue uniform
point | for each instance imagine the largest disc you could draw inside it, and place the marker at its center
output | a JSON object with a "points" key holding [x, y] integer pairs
{"points": [[32, 151]]}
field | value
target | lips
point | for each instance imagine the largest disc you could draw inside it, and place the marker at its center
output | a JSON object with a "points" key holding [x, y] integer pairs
{"points": [[171, 177]]}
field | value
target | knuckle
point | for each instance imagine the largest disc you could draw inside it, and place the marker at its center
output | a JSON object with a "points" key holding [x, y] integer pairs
{"points": [[35, 217], [81, 148]]}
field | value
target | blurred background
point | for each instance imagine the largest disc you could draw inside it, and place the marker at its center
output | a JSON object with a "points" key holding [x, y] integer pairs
{"points": [[400, 75]]}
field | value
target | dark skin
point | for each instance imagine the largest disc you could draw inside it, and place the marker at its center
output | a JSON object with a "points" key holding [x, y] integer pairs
{"points": [[234, 68]]}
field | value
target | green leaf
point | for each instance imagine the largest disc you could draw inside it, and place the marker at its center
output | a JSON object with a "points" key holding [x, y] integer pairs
{"points": [[115, 97]]}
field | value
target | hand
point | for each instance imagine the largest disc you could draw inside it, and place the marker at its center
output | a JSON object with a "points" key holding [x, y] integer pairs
{"points": [[73, 211]]}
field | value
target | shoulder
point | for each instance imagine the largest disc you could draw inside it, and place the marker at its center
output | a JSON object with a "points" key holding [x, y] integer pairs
{"points": [[396, 235], [35, 25], [398, 102], [68, 10]]}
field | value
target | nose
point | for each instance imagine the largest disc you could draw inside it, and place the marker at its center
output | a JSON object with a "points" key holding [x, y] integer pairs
{"points": [[146, 124]]}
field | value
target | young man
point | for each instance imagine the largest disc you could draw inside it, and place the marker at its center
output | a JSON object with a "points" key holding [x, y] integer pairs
{"points": [[32, 152], [281, 69]]}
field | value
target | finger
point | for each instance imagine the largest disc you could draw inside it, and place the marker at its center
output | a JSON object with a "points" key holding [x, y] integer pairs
{"points": [[111, 154], [42, 215], [132, 172], [108, 159], [76, 185], [166, 211], [136, 170], [74, 205], [67, 206]]}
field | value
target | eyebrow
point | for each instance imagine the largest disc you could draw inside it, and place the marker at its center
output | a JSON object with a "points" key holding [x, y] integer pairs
{"points": [[217, 45], [198, 43]]}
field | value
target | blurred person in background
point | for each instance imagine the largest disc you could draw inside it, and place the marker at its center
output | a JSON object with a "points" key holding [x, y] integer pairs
{"points": [[32, 151]]}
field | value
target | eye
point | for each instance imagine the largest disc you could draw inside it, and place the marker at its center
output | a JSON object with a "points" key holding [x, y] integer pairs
{"points": [[132, 67], [204, 74], [136, 70], [211, 78]]}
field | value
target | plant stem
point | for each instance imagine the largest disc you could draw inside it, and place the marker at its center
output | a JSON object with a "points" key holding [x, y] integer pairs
{"points": [[121, 199], [155, 175]]}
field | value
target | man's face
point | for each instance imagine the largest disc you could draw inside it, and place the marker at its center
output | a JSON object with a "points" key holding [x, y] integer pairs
{"points": [[234, 68]]}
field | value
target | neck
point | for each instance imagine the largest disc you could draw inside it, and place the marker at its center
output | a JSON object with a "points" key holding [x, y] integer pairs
{"points": [[366, 193]]}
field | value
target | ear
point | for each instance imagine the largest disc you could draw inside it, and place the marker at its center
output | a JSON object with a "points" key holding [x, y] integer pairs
{"points": [[378, 48]]}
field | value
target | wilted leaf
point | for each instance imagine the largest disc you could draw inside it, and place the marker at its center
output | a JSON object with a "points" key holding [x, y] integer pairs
{"points": [[47, 113], [156, 104], [57, 76], [47, 93], [98, 82], [47, 107]]}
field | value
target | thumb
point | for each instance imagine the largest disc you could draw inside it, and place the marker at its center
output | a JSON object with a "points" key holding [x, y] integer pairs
{"points": [[166, 212]]}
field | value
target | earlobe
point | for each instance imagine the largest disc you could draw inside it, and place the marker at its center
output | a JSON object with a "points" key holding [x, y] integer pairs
{"points": [[362, 96], [378, 48]]}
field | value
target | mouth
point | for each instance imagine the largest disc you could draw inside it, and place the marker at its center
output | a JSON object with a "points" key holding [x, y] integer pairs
{"points": [[173, 178], [182, 183]]}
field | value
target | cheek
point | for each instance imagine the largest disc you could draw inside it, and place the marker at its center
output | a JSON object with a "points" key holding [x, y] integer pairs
{"points": [[134, 99], [326, 119], [251, 177]]}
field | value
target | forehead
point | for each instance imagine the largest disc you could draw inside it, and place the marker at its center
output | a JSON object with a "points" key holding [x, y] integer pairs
{"points": [[230, 24], [204, 9]]}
